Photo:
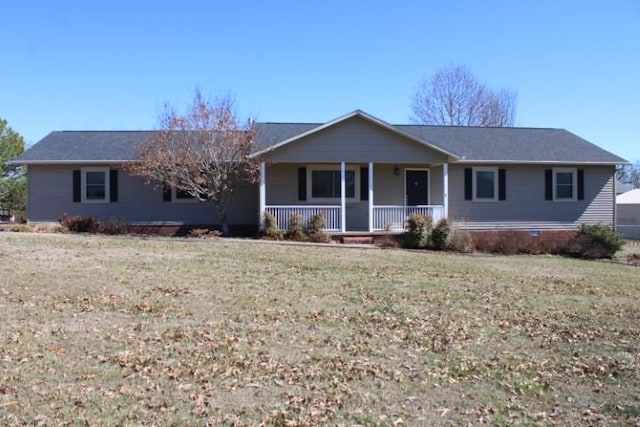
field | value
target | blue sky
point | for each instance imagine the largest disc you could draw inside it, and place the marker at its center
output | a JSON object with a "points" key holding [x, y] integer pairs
{"points": [[111, 65]]}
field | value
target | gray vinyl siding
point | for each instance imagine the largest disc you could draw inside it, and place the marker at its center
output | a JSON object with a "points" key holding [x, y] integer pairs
{"points": [[525, 206], [50, 195], [355, 141], [436, 186], [282, 184], [388, 188]]}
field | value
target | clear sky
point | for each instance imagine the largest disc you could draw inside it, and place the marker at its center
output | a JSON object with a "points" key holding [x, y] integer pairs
{"points": [[111, 65]]}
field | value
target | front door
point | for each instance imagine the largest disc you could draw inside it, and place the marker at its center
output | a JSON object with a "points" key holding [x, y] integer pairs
{"points": [[417, 187]]}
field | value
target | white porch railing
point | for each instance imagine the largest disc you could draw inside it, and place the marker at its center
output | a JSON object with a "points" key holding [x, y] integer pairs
{"points": [[283, 215], [385, 218], [393, 218]]}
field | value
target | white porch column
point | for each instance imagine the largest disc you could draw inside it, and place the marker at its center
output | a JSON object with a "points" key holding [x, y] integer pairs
{"points": [[263, 193], [343, 197], [445, 189], [370, 197]]}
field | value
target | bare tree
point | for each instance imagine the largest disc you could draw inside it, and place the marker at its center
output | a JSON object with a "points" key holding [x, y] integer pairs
{"points": [[630, 174], [203, 152], [453, 96]]}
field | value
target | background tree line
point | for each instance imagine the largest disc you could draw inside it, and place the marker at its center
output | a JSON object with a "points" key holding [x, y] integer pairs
{"points": [[13, 182]]}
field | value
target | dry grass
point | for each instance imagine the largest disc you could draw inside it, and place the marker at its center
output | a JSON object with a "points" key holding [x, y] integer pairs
{"points": [[127, 331]]}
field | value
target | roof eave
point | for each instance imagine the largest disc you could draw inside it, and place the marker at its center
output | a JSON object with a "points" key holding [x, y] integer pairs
{"points": [[67, 162], [542, 162]]}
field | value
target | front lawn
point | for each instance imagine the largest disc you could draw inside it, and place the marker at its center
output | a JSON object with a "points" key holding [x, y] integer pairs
{"points": [[133, 331]]}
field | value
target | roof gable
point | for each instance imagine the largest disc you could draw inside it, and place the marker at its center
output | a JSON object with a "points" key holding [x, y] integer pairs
{"points": [[355, 139], [357, 113]]}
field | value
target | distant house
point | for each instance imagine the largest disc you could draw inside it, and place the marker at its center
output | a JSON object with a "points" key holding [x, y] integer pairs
{"points": [[622, 187], [363, 174], [628, 218], [5, 214]]}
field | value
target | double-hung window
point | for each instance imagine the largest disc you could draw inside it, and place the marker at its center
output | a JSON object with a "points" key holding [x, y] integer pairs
{"points": [[485, 184], [325, 183], [95, 185], [564, 184]]}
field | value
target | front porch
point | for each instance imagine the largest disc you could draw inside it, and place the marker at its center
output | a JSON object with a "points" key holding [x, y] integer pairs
{"points": [[354, 197]]}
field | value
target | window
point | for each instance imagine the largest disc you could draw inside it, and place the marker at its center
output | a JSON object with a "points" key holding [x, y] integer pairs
{"points": [[95, 185], [325, 183], [485, 184], [182, 196], [564, 184]]}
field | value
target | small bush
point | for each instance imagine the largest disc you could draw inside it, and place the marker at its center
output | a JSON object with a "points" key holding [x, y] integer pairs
{"points": [[315, 229], [114, 226], [80, 224], [460, 241], [295, 231], [198, 232], [595, 241], [554, 242], [507, 242], [17, 228], [49, 228], [440, 234], [418, 231], [271, 228], [387, 242]]}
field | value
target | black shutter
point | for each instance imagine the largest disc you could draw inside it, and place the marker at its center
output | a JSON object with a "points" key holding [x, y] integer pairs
{"points": [[502, 184], [77, 184], [468, 184], [302, 184], [580, 184], [113, 185], [548, 184], [166, 193], [364, 183]]}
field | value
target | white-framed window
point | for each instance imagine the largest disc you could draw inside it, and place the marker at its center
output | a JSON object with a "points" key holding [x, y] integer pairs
{"points": [[565, 184], [95, 185], [323, 183], [485, 184]]}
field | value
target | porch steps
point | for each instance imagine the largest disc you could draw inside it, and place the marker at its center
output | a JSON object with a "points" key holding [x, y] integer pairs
{"points": [[358, 240]]}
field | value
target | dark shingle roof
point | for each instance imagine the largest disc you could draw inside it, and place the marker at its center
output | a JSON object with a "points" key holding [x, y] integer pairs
{"points": [[84, 146], [467, 143], [512, 144], [270, 134]]}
